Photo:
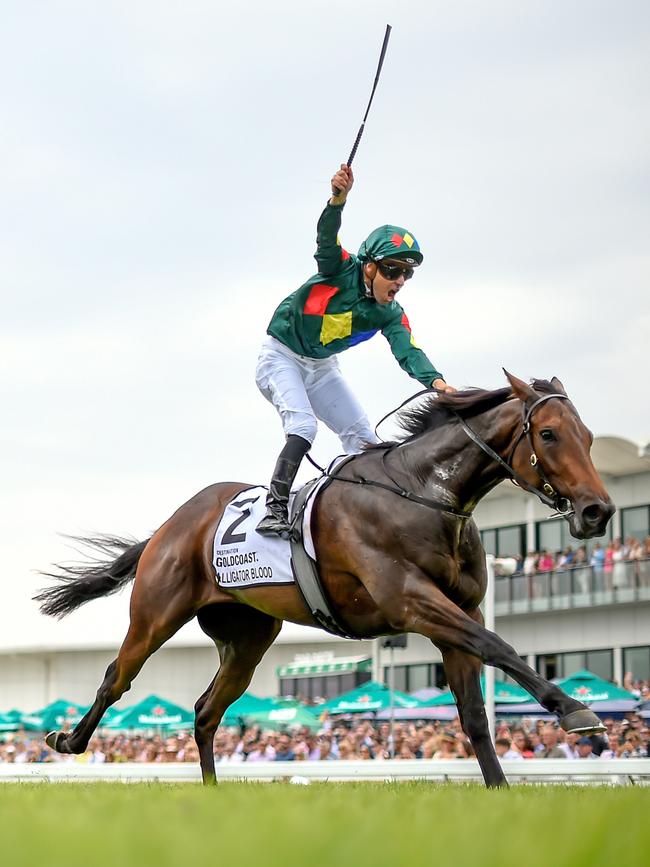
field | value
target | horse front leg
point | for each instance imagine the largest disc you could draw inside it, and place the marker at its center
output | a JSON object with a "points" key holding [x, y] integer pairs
{"points": [[426, 610], [463, 675]]}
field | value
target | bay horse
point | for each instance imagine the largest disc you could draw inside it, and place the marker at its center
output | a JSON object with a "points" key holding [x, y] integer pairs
{"points": [[397, 549]]}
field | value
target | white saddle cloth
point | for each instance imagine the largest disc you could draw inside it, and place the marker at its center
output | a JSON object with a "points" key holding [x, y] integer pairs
{"points": [[244, 558]]}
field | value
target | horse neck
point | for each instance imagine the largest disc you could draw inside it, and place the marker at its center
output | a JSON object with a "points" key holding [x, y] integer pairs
{"points": [[447, 465]]}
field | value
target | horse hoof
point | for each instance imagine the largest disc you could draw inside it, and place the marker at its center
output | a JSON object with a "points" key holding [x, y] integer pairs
{"points": [[583, 721], [57, 741]]}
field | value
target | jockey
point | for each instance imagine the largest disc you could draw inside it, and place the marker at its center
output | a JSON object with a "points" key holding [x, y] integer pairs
{"points": [[348, 301]]}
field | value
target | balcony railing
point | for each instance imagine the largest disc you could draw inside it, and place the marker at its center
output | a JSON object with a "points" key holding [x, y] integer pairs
{"points": [[580, 587]]}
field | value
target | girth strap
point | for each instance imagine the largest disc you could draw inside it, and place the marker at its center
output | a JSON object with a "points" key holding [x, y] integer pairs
{"points": [[305, 570]]}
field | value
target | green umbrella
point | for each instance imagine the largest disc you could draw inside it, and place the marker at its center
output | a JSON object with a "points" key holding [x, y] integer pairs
{"points": [[245, 705], [284, 713], [504, 693], [152, 712], [54, 716], [587, 687], [14, 715], [371, 697], [7, 724]]}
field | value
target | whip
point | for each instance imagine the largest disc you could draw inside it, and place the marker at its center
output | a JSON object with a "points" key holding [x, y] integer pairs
{"points": [[374, 88]]}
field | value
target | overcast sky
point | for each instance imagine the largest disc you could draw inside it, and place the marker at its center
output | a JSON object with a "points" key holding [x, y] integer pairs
{"points": [[164, 165]]}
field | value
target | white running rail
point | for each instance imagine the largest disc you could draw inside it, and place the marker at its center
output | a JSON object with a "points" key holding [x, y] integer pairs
{"points": [[612, 771]]}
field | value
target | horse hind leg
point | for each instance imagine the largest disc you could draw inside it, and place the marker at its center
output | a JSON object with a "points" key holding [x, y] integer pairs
{"points": [[143, 638], [242, 636]]}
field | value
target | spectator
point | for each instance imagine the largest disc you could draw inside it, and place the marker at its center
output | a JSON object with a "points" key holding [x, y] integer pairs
{"points": [[446, 746], [597, 559], [619, 574], [568, 743], [530, 563], [580, 558], [546, 562], [584, 749], [522, 744], [284, 753], [566, 558], [504, 751], [551, 750]]}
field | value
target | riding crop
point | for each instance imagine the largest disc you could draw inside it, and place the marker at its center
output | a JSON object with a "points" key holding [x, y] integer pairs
{"points": [[374, 88]]}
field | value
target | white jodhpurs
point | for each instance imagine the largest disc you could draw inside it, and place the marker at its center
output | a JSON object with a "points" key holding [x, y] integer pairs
{"points": [[306, 389]]}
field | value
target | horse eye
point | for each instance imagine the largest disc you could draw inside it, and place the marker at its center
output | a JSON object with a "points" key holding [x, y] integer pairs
{"points": [[547, 435]]}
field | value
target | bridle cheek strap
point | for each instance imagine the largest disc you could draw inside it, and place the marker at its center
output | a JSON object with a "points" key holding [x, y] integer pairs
{"points": [[547, 495]]}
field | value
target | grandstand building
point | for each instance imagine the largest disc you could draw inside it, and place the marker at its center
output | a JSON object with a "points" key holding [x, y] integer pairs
{"points": [[595, 617]]}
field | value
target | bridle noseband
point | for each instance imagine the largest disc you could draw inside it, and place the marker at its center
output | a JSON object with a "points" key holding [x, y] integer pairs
{"points": [[547, 494]]}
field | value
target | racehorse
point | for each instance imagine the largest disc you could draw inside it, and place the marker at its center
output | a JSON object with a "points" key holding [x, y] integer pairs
{"points": [[397, 550]]}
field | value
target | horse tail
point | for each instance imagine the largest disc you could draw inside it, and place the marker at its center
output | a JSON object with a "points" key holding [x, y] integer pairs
{"points": [[104, 575]]}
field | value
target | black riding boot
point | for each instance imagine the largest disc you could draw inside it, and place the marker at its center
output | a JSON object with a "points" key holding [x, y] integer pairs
{"points": [[276, 520]]}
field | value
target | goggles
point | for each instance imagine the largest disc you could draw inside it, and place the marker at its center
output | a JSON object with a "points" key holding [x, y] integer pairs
{"points": [[393, 272]]}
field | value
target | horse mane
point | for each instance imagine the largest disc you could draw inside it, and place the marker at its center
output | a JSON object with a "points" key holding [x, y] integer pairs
{"points": [[436, 410]]}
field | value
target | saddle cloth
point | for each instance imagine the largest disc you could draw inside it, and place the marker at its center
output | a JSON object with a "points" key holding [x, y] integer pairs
{"points": [[244, 558]]}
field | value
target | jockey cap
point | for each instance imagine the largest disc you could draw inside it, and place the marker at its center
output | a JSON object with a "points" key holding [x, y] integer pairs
{"points": [[391, 242]]}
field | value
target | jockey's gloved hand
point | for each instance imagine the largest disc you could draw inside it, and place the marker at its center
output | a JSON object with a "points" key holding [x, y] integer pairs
{"points": [[341, 184]]}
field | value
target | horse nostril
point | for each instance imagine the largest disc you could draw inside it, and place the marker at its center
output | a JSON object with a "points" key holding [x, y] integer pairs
{"points": [[596, 514]]}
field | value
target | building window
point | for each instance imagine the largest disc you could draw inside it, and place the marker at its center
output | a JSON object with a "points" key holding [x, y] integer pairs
{"points": [[554, 536], [410, 678], [505, 541], [489, 541], [637, 660], [324, 686], [598, 662], [636, 522]]}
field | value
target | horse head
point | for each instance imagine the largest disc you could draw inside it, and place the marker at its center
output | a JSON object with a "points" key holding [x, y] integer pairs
{"points": [[551, 451]]}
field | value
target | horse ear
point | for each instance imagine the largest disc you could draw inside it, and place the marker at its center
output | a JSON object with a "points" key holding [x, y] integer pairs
{"points": [[520, 389], [557, 385]]}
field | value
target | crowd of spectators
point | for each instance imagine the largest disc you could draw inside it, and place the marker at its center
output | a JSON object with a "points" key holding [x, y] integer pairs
{"points": [[608, 560], [350, 739]]}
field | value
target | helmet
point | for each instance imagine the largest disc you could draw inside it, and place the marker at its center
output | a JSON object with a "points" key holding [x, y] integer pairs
{"points": [[391, 242]]}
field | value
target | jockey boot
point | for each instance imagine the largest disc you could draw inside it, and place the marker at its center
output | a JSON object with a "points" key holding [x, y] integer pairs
{"points": [[276, 520]]}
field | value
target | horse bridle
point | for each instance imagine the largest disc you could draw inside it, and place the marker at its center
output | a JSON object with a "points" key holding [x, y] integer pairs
{"points": [[547, 494], [561, 505]]}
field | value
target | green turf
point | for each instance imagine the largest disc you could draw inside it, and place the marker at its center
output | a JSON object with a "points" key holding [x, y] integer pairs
{"points": [[347, 825]]}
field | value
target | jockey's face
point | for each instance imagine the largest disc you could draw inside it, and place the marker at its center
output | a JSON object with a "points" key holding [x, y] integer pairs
{"points": [[384, 289]]}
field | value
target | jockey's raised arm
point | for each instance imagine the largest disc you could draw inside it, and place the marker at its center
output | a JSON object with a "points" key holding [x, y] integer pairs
{"points": [[329, 255]]}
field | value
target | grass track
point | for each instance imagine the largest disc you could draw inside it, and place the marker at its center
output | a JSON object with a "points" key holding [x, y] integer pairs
{"points": [[347, 825]]}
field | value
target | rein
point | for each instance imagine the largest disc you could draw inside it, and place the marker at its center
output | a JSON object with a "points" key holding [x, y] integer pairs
{"points": [[548, 496]]}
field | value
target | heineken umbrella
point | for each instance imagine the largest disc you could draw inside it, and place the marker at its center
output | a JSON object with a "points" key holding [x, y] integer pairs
{"points": [[245, 705], [426, 693], [7, 724], [284, 714], [54, 716], [369, 696], [504, 693], [11, 721], [588, 688], [152, 712], [601, 696], [442, 713], [57, 714], [14, 715]]}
